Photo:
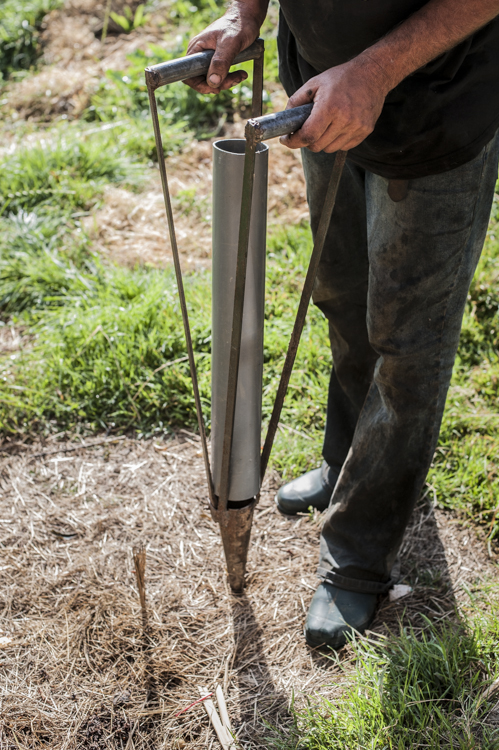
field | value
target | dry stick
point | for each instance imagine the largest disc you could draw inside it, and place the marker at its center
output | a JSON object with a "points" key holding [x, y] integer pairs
{"points": [[222, 734], [224, 714], [139, 559]]}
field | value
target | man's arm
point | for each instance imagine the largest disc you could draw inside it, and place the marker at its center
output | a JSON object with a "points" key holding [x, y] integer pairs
{"points": [[228, 36], [348, 98]]}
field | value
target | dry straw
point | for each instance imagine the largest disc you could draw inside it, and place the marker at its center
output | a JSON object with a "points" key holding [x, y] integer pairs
{"points": [[84, 669]]}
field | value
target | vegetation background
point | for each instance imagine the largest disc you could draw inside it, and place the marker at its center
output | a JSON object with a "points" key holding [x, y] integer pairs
{"points": [[91, 341]]}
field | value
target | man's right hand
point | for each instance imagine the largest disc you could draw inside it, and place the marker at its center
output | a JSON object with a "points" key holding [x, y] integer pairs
{"points": [[228, 36]]}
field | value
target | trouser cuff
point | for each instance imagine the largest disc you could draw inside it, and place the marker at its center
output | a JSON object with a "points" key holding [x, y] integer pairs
{"points": [[354, 584]]}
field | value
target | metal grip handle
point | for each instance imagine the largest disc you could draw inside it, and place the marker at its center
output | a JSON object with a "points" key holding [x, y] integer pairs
{"points": [[194, 65], [279, 123]]}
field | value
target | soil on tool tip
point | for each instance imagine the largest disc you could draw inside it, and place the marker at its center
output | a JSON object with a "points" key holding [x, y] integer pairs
{"points": [[82, 669]]}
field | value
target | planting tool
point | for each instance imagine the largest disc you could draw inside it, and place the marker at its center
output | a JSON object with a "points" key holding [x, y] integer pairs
{"points": [[239, 228]]}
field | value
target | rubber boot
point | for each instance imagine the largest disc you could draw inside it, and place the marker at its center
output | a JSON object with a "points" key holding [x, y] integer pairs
{"points": [[335, 615], [313, 489]]}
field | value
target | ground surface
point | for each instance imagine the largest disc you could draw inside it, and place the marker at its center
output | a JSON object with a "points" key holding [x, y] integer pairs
{"points": [[83, 671]]}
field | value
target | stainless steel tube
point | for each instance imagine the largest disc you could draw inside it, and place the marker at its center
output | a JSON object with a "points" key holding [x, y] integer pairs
{"points": [[228, 164]]}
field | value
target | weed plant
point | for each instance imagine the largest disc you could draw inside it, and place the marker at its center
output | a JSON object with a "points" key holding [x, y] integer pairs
{"points": [[20, 26]]}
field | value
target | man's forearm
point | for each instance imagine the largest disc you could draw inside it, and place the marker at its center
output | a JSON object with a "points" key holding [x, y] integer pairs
{"points": [[434, 29], [256, 9]]}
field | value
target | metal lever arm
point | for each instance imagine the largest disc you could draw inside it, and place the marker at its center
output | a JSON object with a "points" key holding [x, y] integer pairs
{"points": [[194, 65], [279, 123]]}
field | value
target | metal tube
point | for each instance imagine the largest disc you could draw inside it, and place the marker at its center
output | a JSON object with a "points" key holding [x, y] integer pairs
{"points": [[228, 166]]}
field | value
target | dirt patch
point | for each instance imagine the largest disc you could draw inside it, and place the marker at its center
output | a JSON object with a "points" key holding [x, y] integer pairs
{"points": [[11, 339], [131, 228], [82, 669], [76, 60], [54, 92]]}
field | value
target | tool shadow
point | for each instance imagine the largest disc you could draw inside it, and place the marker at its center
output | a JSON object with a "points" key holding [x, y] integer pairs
{"points": [[261, 703]]}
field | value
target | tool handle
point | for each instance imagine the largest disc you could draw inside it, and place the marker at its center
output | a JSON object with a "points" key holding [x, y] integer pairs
{"points": [[278, 123], [194, 65]]}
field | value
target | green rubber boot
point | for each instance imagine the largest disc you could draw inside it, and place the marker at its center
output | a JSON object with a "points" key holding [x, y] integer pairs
{"points": [[334, 614]]}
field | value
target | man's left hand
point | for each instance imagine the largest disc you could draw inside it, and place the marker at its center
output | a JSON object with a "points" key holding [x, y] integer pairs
{"points": [[348, 100]]}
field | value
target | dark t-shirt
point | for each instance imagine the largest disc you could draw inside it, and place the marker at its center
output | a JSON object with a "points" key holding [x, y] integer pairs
{"points": [[438, 118]]}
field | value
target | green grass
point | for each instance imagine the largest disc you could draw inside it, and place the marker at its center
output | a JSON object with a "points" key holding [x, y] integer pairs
{"points": [[20, 26], [104, 337], [69, 172], [105, 343], [408, 692]]}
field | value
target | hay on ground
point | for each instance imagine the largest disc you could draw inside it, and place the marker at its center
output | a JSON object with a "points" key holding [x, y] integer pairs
{"points": [[80, 666]]}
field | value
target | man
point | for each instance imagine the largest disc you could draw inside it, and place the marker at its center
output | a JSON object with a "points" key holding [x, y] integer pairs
{"points": [[410, 88]]}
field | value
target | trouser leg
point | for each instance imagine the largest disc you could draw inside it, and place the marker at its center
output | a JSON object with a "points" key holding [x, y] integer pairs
{"points": [[341, 293], [422, 252]]}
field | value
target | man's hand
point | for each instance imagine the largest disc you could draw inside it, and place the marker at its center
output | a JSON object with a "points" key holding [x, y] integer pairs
{"points": [[228, 36], [348, 100]]}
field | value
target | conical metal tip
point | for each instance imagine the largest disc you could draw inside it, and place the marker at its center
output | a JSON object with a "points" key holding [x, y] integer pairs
{"points": [[235, 529]]}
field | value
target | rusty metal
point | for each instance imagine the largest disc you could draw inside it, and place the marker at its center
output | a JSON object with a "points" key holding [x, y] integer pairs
{"points": [[301, 314], [257, 98], [276, 124], [181, 291], [236, 538]]}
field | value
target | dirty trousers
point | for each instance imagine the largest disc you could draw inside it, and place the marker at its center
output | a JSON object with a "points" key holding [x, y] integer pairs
{"points": [[392, 283]]}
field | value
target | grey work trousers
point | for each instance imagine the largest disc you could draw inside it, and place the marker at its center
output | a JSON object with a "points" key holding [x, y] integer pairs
{"points": [[392, 283]]}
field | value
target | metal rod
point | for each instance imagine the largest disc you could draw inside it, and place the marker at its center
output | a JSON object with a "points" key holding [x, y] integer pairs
{"points": [[194, 65], [257, 98], [306, 294], [181, 292], [237, 320], [278, 123]]}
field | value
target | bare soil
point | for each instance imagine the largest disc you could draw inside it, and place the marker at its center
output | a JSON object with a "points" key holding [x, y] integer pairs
{"points": [[80, 666]]}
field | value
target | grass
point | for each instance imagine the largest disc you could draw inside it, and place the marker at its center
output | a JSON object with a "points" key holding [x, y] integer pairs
{"points": [[408, 692], [69, 172], [20, 27], [105, 343], [52, 286]]}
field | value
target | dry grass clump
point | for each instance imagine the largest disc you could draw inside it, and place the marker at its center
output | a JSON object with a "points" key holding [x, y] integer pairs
{"points": [[54, 92], [82, 668], [131, 228], [77, 59]]}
